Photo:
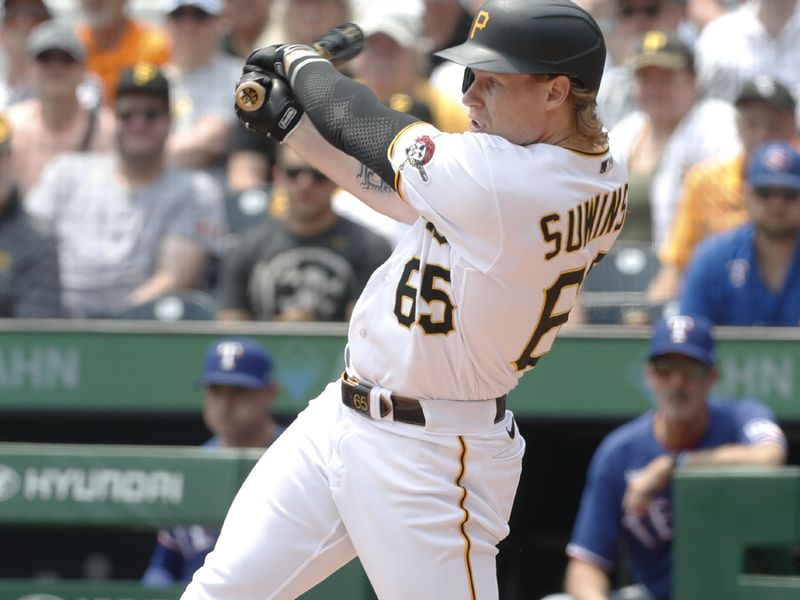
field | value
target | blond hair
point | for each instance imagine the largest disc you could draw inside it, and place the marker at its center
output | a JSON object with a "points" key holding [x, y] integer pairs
{"points": [[587, 123]]}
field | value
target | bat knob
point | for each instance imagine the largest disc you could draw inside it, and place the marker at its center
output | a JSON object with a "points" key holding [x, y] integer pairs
{"points": [[250, 96]]}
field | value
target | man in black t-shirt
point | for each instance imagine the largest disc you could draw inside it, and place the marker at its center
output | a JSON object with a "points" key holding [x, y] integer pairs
{"points": [[310, 265]]}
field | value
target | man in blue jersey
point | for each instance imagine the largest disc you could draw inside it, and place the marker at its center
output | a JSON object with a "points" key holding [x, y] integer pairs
{"points": [[628, 493], [751, 275], [238, 393]]}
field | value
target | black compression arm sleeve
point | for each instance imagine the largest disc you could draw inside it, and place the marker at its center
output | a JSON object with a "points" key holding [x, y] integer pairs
{"points": [[348, 114]]}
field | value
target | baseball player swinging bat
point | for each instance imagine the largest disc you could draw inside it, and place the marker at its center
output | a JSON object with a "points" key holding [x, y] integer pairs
{"points": [[338, 45]]}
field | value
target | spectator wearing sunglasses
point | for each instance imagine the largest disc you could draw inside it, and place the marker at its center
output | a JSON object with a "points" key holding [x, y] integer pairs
{"points": [[19, 18], [630, 20], [201, 77], [54, 121], [751, 275], [712, 196], [310, 265], [130, 227], [627, 498], [674, 129]]}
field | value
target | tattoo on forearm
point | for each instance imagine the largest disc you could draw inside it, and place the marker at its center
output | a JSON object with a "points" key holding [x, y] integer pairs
{"points": [[370, 182]]}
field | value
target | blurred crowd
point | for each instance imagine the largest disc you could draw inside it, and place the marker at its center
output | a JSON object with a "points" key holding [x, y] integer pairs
{"points": [[125, 177]]}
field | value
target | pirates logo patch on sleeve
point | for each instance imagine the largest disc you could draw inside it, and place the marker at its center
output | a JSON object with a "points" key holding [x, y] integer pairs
{"points": [[420, 154]]}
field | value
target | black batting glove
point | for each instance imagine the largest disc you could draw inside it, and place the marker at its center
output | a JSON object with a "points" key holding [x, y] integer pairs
{"points": [[270, 58], [280, 112]]}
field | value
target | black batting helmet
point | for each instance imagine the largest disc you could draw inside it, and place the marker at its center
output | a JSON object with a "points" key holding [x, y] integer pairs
{"points": [[553, 37]]}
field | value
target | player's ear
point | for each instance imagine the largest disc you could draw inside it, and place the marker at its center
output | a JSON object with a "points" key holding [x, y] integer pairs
{"points": [[558, 91]]}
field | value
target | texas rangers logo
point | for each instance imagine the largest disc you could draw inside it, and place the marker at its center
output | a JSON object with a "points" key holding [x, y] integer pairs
{"points": [[420, 154], [679, 327], [228, 353]]}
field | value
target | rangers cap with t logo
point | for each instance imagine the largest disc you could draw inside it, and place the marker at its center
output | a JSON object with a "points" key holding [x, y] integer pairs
{"points": [[686, 335], [239, 362]]}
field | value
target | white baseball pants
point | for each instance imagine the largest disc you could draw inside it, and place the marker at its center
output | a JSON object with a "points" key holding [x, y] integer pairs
{"points": [[423, 507]]}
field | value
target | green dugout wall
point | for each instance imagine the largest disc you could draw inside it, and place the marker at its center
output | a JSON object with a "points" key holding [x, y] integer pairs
{"points": [[55, 376], [720, 514], [128, 487], [136, 366]]}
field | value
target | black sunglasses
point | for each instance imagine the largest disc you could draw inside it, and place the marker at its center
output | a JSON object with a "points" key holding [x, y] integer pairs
{"points": [[788, 194], [295, 172], [665, 366], [148, 114], [55, 56], [648, 10], [194, 13]]}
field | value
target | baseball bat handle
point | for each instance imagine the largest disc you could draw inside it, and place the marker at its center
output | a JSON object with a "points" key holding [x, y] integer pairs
{"points": [[338, 45], [250, 96]]}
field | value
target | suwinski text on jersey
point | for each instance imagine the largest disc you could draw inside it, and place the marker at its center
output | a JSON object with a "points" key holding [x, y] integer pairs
{"points": [[600, 215]]}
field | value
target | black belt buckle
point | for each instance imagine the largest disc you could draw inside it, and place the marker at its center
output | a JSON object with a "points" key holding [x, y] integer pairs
{"points": [[356, 396]]}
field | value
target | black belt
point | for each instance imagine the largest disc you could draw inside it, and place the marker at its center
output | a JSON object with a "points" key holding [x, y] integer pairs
{"points": [[355, 395]]}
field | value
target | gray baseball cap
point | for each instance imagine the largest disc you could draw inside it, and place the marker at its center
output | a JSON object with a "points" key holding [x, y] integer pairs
{"points": [[54, 35], [764, 88]]}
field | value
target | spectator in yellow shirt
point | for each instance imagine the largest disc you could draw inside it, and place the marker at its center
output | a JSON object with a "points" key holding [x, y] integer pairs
{"points": [[114, 42], [712, 200]]}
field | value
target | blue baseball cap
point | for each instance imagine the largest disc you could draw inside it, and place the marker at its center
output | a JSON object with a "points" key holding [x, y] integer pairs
{"points": [[774, 164], [240, 362], [686, 335]]}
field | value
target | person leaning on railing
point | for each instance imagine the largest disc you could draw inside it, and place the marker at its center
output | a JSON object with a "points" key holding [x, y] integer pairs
{"points": [[628, 495]]}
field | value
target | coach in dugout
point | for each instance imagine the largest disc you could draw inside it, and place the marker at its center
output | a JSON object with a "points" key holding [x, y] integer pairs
{"points": [[628, 496], [238, 391]]}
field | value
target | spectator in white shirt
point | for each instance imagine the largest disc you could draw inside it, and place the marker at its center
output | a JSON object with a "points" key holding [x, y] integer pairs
{"points": [[762, 37], [674, 129]]}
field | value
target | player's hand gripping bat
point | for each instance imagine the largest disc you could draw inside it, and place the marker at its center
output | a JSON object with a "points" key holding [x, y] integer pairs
{"points": [[338, 45]]}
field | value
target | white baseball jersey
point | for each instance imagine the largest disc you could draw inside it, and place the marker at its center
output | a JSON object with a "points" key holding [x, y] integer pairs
{"points": [[476, 291], [471, 297]]}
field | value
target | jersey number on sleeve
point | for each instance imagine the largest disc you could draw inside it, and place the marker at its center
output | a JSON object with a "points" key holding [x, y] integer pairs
{"points": [[429, 292]]}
